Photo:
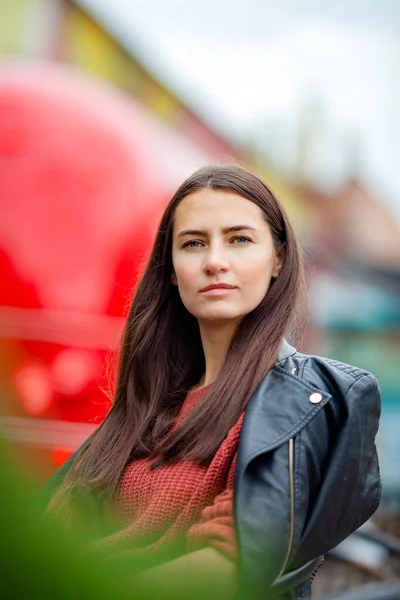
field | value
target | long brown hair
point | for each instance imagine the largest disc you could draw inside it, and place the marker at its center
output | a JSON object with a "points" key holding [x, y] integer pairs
{"points": [[161, 355]]}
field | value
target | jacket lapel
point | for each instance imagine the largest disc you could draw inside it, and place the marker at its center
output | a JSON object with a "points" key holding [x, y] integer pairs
{"points": [[279, 408]]}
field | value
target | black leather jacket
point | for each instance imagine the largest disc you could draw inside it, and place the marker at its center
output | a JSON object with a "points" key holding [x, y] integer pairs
{"points": [[307, 472]]}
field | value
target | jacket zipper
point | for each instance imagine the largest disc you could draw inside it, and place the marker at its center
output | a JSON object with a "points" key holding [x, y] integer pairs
{"points": [[291, 492], [313, 574]]}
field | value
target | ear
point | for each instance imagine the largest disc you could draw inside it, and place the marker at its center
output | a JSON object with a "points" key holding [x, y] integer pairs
{"points": [[275, 272], [173, 279], [279, 259]]}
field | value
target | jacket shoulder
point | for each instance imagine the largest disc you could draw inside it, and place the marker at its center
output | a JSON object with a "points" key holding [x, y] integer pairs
{"points": [[323, 371]]}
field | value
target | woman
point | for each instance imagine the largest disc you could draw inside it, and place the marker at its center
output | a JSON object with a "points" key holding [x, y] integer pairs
{"points": [[246, 458]]}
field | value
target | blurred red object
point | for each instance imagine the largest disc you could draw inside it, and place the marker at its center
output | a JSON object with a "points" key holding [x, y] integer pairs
{"points": [[85, 174], [61, 454], [34, 386]]}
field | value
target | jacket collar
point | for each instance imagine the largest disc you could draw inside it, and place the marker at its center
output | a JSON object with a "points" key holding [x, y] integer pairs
{"points": [[285, 351]]}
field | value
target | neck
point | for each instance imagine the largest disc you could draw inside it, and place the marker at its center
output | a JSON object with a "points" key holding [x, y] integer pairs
{"points": [[215, 339]]}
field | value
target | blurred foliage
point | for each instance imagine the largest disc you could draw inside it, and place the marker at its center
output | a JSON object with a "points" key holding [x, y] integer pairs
{"points": [[39, 559]]}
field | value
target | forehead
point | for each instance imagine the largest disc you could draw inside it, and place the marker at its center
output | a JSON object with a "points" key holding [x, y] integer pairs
{"points": [[207, 208]]}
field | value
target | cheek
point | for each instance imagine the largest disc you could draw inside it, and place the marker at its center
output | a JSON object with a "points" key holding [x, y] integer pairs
{"points": [[187, 287], [185, 281], [184, 275], [257, 272]]}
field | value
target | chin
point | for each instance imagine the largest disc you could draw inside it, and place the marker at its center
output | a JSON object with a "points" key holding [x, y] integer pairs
{"points": [[215, 316]]}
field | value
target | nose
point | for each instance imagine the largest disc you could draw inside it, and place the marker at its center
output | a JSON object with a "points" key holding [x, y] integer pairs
{"points": [[216, 259]]}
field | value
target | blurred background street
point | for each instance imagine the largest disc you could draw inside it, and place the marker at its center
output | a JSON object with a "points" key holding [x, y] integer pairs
{"points": [[106, 106]]}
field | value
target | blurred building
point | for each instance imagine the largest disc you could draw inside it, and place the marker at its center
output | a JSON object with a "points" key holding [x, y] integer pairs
{"points": [[355, 297], [59, 30]]}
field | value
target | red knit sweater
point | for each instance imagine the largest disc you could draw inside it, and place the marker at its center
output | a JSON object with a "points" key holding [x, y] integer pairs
{"points": [[184, 503]]}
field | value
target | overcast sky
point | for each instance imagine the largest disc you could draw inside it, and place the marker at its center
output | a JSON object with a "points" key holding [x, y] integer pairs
{"points": [[252, 66]]}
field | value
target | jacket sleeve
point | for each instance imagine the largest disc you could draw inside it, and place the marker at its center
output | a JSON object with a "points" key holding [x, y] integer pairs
{"points": [[346, 488]]}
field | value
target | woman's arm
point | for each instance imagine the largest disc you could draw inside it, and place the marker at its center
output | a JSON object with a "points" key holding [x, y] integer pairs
{"points": [[205, 573]]}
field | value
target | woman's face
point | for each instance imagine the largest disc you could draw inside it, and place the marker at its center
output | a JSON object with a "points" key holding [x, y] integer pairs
{"points": [[221, 239]]}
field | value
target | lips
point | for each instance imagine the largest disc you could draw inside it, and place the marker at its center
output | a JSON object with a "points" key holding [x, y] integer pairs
{"points": [[218, 286]]}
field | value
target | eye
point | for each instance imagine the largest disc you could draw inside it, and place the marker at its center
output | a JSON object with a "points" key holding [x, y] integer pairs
{"points": [[192, 244], [241, 239]]}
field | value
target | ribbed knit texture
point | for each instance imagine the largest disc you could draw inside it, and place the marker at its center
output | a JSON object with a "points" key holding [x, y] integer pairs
{"points": [[185, 506]]}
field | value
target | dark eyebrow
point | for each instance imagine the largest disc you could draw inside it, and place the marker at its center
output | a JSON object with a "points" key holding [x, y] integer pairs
{"points": [[225, 230]]}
